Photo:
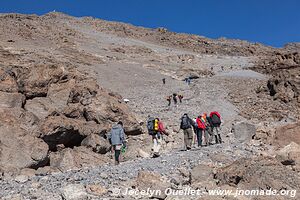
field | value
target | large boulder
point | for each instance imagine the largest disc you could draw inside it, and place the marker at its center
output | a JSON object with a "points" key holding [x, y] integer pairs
{"points": [[259, 172], [244, 131], [153, 181], [105, 108], [77, 157], [97, 143], [40, 107], [7, 81], [11, 100], [290, 155], [35, 82], [284, 135], [202, 177], [201, 172], [18, 117], [19, 150]]}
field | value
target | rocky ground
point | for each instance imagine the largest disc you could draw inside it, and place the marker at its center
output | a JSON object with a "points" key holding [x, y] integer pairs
{"points": [[62, 85]]}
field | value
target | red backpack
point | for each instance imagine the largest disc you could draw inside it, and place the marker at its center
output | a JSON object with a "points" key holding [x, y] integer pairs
{"points": [[215, 113]]}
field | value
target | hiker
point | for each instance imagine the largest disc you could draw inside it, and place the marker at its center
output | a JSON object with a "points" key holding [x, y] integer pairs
{"points": [[164, 81], [186, 125], [216, 122], [188, 80], [195, 129], [175, 98], [117, 140], [200, 130], [209, 129], [205, 133], [180, 97], [156, 130], [169, 99]]}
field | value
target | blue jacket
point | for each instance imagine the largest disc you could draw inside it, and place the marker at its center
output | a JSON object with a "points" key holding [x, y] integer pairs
{"points": [[117, 135]]}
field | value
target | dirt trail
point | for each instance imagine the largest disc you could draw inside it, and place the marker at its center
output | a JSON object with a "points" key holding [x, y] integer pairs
{"points": [[141, 82]]}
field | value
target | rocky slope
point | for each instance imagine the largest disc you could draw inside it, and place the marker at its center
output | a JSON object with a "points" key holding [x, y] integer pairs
{"points": [[62, 85]]}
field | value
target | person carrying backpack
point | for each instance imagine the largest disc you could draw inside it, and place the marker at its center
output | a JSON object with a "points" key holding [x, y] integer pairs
{"points": [[117, 140], [164, 81], [204, 131], [180, 97], [209, 129], [200, 130], [175, 98], [216, 123], [169, 99], [186, 125], [156, 130]]}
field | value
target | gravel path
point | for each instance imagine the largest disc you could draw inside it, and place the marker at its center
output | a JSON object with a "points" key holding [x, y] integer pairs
{"points": [[113, 176]]}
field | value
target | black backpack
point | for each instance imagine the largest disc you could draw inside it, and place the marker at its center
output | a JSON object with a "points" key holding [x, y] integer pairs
{"points": [[151, 126], [185, 122]]}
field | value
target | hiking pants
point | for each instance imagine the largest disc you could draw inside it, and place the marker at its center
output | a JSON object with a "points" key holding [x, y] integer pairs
{"points": [[216, 128], [188, 138], [199, 136], [117, 149], [206, 137], [156, 143], [210, 134]]}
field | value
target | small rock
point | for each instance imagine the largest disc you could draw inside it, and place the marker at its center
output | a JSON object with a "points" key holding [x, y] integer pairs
{"points": [[74, 192], [13, 197], [21, 178], [143, 154], [97, 190]]}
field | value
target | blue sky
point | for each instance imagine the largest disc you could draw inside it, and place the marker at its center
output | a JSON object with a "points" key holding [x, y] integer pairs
{"points": [[272, 22]]}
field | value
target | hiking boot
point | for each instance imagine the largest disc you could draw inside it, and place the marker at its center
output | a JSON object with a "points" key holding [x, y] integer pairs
{"points": [[117, 162]]}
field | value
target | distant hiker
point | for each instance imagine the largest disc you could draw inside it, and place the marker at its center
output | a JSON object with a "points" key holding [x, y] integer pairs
{"points": [[200, 130], [164, 81], [169, 99], [205, 131], [216, 121], [188, 80], [156, 130], [175, 98], [212, 69], [185, 80], [117, 140], [186, 125], [222, 68], [180, 97]]}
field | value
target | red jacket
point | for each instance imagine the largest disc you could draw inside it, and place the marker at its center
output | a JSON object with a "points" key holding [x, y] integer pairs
{"points": [[200, 123]]}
